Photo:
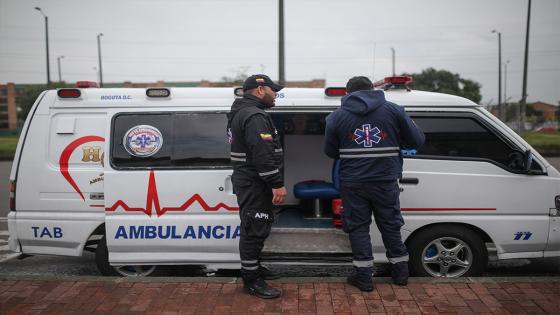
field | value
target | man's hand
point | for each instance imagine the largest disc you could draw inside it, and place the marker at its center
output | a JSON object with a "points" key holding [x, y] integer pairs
{"points": [[279, 194]]}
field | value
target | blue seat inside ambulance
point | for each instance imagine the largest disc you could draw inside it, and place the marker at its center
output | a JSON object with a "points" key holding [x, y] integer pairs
{"points": [[319, 189]]}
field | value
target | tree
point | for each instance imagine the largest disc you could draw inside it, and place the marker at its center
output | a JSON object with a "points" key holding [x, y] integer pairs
{"points": [[29, 94], [443, 81], [240, 76]]}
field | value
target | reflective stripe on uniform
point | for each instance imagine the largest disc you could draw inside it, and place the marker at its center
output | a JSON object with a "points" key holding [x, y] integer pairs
{"points": [[250, 268], [370, 149], [269, 173], [250, 264], [359, 156], [363, 263], [238, 154], [237, 159], [278, 150], [395, 260]]}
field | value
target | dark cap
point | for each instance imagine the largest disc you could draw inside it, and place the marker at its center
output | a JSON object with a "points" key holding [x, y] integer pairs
{"points": [[257, 80], [358, 84]]}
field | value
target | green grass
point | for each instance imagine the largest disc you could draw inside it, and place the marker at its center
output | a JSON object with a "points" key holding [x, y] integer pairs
{"points": [[8, 146], [547, 143]]}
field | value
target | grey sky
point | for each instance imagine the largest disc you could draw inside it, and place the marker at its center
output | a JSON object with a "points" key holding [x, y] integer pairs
{"points": [[192, 40]]}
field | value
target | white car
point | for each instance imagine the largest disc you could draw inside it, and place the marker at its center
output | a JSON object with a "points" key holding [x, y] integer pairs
{"points": [[142, 177]]}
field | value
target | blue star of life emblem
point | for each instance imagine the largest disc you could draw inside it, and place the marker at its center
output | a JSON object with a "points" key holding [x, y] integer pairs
{"points": [[143, 141], [367, 136]]}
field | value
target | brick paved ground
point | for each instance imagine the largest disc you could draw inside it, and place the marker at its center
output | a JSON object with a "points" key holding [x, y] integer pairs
{"points": [[300, 296]]}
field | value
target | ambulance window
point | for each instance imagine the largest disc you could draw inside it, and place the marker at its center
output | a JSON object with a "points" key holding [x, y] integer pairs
{"points": [[462, 137], [300, 123], [188, 140], [200, 140]]}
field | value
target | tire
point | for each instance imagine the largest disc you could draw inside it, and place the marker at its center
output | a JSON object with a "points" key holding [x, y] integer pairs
{"points": [[447, 251], [102, 262]]}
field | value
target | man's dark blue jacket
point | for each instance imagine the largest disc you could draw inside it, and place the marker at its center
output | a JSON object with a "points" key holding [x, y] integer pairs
{"points": [[367, 133]]}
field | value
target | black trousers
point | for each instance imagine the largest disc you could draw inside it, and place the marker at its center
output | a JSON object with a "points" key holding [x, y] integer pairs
{"points": [[381, 199], [256, 214]]}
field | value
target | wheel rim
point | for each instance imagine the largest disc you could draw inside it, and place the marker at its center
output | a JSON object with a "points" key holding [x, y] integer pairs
{"points": [[135, 270], [447, 257]]}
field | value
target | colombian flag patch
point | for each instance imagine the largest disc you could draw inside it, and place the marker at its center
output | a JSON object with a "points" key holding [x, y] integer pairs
{"points": [[266, 136]]}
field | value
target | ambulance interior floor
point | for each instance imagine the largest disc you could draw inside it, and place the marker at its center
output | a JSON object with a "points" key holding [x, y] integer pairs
{"points": [[294, 217]]}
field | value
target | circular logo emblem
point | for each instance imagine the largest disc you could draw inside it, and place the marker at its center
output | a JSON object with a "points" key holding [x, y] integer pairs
{"points": [[142, 141]]}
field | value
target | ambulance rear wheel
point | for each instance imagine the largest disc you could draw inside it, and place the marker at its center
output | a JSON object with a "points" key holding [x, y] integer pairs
{"points": [[447, 251], [102, 262]]}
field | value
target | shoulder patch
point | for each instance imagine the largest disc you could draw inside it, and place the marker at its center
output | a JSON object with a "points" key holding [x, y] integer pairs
{"points": [[266, 136]]}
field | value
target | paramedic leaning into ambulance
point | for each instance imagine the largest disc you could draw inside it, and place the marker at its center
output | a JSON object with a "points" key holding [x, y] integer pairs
{"points": [[367, 133], [257, 157]]}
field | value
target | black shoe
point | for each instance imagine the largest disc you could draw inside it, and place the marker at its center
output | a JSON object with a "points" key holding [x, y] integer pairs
{"points": [[400, 281], [268, 274], [261, 289], [362, 284]]}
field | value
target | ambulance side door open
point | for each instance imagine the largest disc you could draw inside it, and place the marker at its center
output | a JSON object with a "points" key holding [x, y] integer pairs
{"points": [[168, 192], [464, 175]]}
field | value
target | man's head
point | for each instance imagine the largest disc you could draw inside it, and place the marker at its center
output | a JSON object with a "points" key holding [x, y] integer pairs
{"points": [[262, 87], [358, 84]]}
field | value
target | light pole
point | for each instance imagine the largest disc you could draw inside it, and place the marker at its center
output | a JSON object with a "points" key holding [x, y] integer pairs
{"points": [[500, 107], [96, 74], [373, 70], [59, 72], [393, 53], [505, 81], [281, 64], [99, 54], [47, 43], [523, 102]]}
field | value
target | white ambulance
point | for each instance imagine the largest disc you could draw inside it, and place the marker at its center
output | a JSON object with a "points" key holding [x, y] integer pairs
{"points": [[142, 177]]}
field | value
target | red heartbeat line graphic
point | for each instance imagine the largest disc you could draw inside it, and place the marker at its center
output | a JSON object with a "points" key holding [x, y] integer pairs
{"points": [[152, 199]]}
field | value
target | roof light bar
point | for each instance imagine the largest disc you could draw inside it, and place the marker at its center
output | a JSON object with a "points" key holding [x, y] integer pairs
{"points": [[395, 82], [335, 91], [69, 93], [86, 84], [158, 92]]}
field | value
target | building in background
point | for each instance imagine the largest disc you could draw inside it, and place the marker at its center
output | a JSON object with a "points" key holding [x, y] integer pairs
{"points": [[546, 111], [8, 109], [315, 83]]}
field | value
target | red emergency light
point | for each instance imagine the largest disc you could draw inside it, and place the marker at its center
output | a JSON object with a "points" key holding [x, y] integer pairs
{"points": [[335, 91], [69, 93], [398, 81], [86, 84]]}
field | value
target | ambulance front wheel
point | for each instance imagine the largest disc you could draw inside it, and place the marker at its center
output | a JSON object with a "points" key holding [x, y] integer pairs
{"points": [[447, 251], [102, 262]]}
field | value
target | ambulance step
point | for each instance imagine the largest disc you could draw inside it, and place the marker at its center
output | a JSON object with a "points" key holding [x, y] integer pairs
{"points": [[307, 240], [307, 259]]}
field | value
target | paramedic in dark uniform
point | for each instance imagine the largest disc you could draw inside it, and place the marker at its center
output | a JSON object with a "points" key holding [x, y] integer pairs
{"points": [[257, 157], [367, 133]]}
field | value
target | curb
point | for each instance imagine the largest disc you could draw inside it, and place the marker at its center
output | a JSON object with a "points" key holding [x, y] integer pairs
{"points": [[426, 280]]}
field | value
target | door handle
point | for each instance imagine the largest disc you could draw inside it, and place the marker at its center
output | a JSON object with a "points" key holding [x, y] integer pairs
{"points": [[409, 180], [228, 185]]}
